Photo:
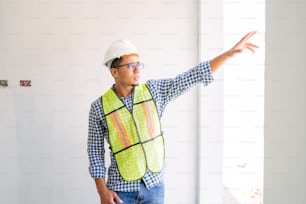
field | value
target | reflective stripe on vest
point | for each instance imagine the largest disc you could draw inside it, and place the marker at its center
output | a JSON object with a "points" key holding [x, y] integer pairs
{"points": [[135, 137]]}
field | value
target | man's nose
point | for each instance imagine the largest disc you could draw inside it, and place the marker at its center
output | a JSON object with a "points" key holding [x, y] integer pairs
{"points": [[136, 70]]}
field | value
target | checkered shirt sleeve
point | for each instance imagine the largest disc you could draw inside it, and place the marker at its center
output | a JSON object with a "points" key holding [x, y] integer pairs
{"points": [[166, 90], [95, 142]]}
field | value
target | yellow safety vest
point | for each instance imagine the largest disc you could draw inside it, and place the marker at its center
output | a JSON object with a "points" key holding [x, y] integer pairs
{"points": [[135, 137]]}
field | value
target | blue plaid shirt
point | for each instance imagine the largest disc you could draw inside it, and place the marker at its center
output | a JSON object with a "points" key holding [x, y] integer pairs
{"points": [[163, 91]]}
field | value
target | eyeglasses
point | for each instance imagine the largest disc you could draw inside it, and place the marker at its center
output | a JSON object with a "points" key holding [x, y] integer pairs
{"points": [[132, 66]]}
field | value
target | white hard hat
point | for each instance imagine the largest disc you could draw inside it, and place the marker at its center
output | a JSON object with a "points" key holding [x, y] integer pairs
{"points": [[117, 49]]}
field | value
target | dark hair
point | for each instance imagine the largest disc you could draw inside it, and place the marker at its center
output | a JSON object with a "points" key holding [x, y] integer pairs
{"points": [[116, 62]]}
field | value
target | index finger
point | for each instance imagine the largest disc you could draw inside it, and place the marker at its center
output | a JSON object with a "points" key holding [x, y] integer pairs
{"points": [[247, 36]]}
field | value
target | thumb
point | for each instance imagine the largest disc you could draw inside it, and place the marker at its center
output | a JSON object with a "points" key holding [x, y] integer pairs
{"points": [[117, 198]]}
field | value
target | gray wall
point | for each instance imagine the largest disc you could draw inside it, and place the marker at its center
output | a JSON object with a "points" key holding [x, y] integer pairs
{"points": [[285, 103]]}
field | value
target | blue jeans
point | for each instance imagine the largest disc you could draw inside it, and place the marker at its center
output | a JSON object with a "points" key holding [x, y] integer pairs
{"points": [[154, 195]]}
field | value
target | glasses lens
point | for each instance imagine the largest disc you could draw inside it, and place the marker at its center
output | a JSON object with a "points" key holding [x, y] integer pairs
{"points": [[138, 65]]}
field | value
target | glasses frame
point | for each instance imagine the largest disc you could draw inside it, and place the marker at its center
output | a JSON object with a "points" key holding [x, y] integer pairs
{"points": [[132, 66]]}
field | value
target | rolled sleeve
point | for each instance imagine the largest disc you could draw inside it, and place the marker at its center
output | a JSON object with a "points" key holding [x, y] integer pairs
{"points": [[205, 71]]}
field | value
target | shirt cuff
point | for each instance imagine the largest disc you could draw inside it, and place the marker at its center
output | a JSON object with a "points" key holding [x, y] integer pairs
{"points": [[205, 71], [97, 172]]}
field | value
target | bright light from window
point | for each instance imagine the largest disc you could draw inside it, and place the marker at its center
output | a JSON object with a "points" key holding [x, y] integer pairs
{"points": [[244, 105]]}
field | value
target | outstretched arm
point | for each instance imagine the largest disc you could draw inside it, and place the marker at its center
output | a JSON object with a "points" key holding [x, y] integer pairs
{"points": [[243, 44]]}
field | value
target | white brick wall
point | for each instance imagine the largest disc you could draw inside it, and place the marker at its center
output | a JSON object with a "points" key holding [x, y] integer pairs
{"points": [[59, 45]]}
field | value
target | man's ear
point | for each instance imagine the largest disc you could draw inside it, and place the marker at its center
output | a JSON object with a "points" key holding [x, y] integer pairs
{"points": [[113, 72]]}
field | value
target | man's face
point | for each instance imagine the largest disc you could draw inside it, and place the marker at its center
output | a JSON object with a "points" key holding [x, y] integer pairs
{"points": [[126, 75]]}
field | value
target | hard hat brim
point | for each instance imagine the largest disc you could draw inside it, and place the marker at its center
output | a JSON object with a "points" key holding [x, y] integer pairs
{"points": [[109, 62]]}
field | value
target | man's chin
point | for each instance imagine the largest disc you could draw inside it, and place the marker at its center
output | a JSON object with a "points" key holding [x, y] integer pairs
{"points": [[135, 84]]}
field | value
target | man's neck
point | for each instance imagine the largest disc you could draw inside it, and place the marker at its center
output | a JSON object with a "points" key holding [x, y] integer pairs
{"points": [[123, 91]]}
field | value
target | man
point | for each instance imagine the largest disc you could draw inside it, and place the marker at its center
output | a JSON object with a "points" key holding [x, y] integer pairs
{"points": [[128, 115]]}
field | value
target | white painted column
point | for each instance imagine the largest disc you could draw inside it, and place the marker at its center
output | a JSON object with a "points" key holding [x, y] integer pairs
{"points": [[211, 106]]}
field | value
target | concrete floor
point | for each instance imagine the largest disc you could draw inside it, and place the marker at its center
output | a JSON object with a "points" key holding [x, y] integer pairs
{"points": [[254, 196]]}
